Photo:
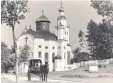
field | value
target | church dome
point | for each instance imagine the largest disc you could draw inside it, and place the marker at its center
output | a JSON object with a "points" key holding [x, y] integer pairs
{"points": [[43, 18], [42, 23]]}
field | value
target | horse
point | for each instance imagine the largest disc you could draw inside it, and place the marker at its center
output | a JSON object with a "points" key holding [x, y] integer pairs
{"points": [[44, 69], [38, 69]]}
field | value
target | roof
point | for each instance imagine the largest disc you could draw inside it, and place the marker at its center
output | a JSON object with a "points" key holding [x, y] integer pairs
{"points": [[43, 18], [68, 44], [42, 34], [61, 17]]}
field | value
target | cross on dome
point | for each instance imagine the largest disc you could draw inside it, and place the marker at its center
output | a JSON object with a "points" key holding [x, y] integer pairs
{"points": [[30, 26], [61, 9], [61, 4], [42, 12]]}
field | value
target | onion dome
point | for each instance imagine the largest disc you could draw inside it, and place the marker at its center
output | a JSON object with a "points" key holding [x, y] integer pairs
{"points": [[42, 18], [61, 11], [42, 23]]}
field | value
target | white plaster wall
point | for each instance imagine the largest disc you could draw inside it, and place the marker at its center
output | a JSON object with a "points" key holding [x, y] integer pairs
{"points": [[63, 50], [60, 33], [58, 48], [58, 66], [67, 34], [48, 50], [39, 42], [51, 50], [45, 43]]}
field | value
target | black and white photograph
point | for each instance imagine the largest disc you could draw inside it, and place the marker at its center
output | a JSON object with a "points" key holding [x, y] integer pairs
{"points": [[56, 41]]}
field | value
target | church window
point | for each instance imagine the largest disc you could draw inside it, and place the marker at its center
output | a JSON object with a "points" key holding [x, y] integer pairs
{"points": [[59, 47], [46, 47], [53, 57], [53, 47], [39, 46], [64, 47], [39, 54], [46, 57], [68, 57], [64, 55]]}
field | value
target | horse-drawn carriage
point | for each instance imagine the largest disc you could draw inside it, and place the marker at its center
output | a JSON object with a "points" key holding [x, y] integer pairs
{"points": [[36, 67]]}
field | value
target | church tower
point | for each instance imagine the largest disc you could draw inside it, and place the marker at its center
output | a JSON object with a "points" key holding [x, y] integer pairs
{"points": [[62, 28]]}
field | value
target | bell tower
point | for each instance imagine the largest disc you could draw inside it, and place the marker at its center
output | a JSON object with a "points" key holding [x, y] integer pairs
{"points": [[62, 28]]}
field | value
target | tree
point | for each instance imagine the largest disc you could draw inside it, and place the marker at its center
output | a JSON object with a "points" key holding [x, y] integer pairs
{"points": [[75, 52], [92, 36], [11, 14], [80, 35], [7, 60], [104, 45], [24, 54], [104, 48], [82, 56], [105, 9], [82, 40], [100, 40]]}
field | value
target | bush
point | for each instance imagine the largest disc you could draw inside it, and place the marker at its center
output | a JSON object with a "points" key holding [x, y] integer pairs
{"points": [[82, 56]]}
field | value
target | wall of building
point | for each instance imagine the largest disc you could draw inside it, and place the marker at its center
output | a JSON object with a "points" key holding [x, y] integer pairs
{"points": [[47, 48], [40, 47]]}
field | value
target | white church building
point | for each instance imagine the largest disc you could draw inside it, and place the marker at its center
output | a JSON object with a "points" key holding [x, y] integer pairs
{"points": [[53, 48]]}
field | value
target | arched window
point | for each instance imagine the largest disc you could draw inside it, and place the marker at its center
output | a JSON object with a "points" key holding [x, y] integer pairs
{"points": [[46, 57], [68, 57], [59, 47], [64, 47], [64, 55], [46, 47], [53, 47], [39, 54], [53, 57], [39, 46]]}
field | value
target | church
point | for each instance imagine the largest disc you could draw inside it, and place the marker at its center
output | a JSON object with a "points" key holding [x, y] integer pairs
{"points": [[53, 48]]}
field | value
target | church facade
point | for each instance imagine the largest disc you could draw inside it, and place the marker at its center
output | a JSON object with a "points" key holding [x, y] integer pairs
{"points": [[53, 48]]}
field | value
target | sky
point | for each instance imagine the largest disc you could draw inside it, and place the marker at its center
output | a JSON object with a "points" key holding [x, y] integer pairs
{"points": [[77, 12]]}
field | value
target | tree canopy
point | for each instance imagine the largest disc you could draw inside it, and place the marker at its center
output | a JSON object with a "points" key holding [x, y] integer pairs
{"points": [[24, 53], [104, 8], [13, 11], [101, 35], [7, 59]]}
